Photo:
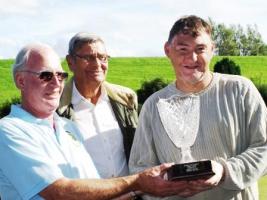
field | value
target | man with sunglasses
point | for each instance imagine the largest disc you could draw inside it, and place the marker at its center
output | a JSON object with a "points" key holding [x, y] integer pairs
{"points": [[42, 155], [106, 113]]}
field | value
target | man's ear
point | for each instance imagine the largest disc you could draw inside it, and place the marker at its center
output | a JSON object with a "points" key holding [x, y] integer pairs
{"points": [[70, 61], [19, 80], [167, 49]]}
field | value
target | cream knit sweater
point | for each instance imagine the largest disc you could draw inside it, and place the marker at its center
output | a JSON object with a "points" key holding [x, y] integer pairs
{"points": [[232, 130]]}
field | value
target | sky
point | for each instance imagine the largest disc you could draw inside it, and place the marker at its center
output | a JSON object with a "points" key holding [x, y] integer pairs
{"points": [[128, 27]]}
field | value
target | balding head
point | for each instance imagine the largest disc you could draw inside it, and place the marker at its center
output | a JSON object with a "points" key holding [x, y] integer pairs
{"points": [[40, 78], [34, 54]]}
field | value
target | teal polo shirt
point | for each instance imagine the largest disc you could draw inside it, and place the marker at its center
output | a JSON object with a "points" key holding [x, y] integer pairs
{"points": [[33, 154]]}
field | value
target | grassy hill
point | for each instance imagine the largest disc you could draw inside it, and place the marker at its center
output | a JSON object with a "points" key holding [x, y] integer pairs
{"points": [[132, 72], [263, 188]]}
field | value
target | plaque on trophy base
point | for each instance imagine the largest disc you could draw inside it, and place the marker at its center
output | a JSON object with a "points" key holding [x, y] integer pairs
{"points": [[190, 171]]}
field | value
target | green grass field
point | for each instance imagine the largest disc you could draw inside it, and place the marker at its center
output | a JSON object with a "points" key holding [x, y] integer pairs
{"points": [[132, 72], [263, 188]]}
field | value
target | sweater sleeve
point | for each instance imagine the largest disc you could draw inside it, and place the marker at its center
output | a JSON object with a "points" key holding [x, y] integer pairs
{"points": [[143, 153], [248, 165]]}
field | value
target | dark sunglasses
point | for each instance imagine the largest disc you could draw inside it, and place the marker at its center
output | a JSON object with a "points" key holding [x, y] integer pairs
{"points": [[48, 75]]}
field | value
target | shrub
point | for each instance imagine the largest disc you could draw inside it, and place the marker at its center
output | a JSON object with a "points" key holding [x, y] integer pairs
{"points": [[227, 66], [263, 91], [148, 88], [5, 107]]}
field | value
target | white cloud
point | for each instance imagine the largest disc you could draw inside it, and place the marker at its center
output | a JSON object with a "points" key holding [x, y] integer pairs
{"points": [[130, 28], [8, 46], [26, 7]]}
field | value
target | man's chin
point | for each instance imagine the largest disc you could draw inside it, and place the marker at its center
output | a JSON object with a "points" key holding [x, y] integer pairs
{"points": [[52, 104], [97, 80], [194, 79]]}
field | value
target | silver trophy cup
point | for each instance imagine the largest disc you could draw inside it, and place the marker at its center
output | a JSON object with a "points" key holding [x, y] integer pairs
{"points": [[180, 118]]}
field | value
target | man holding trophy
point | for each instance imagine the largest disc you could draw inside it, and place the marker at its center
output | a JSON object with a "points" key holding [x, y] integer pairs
{"points": [[212, 126]]}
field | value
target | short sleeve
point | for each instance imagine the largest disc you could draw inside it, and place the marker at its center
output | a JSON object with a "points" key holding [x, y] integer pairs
{"points": [[23, 163]]}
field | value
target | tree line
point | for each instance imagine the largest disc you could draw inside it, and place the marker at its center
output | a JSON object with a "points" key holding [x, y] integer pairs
{"points": [[234, 40]]}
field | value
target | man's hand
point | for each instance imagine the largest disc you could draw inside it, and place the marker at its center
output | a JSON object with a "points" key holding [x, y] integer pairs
{"points": [[200, 185], [151, 181]]}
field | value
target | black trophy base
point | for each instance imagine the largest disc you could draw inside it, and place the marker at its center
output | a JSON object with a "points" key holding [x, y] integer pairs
{"points": [[190, 171]]}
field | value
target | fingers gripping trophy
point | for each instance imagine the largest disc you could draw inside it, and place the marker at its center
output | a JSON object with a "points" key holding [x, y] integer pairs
{"points": [[180, 118]]}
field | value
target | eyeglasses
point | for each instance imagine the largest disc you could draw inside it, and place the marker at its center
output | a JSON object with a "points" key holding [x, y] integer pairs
{"points": [[91, 58], [48, 75]]}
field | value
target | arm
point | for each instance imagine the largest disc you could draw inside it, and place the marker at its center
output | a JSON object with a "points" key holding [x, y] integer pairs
{"points": [[143, 153], [249, 163], [243, 135], [87, 188], [149, 181]]}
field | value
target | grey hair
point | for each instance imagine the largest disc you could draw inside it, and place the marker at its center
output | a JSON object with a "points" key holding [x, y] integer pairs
{"points": [[78, 40], [23, 56], [21, 60]]}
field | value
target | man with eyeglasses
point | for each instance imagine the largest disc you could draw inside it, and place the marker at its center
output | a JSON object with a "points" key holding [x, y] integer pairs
{"points": [[42, 155], [106, 113]]}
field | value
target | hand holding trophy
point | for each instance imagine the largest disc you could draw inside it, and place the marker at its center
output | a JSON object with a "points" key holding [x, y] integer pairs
{"points": [[180, 118]]}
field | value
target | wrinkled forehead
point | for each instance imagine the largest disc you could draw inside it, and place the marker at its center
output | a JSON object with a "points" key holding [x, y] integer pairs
{"points": [[93, 47], [44, 59]]}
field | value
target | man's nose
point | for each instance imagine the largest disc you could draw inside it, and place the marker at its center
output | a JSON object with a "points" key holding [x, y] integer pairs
{"points": [[193, 56], [95, 62], [56, 80]]}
